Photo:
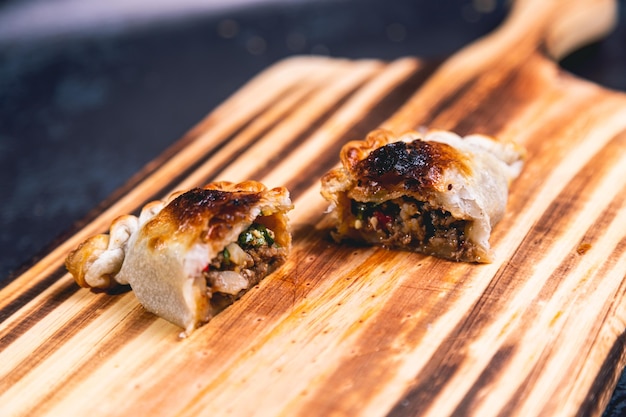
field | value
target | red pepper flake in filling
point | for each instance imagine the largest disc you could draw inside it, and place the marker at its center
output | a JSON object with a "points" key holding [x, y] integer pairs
{"points": [[384, 220]]}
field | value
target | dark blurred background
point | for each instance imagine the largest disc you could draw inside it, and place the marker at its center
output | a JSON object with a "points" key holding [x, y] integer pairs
{"points": [[91, 91]]}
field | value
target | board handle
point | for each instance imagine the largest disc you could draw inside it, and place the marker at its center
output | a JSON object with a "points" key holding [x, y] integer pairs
{"points": [[533, 28], [561, 26]]}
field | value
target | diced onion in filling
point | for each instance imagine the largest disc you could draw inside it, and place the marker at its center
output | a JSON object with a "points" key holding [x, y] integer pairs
{"points": [[227, 282], [237, 255]]}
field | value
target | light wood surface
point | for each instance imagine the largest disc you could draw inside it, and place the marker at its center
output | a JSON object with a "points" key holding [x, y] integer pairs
{"points": [[344, 330]]}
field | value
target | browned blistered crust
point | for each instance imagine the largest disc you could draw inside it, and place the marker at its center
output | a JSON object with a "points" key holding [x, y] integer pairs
{"points": [[415, 167], [380, 165], [415, 159], [202, 214]]}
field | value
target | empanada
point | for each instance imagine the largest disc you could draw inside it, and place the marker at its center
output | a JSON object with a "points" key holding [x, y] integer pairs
{"points": [[191, 255], [438, 194]]}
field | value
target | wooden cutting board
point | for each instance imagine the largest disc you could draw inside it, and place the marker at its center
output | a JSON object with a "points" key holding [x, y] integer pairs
{"points": [[344, 330]]}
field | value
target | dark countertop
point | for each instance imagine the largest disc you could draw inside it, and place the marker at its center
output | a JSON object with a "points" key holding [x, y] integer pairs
{"points": [[82, 110]]}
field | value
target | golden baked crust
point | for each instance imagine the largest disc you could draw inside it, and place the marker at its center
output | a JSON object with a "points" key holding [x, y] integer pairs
{"points": [[164, 254], [437, 193]]}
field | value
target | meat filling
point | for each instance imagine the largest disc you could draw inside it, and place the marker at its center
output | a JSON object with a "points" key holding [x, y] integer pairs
{"points": [[243, 264], [408, 223]]}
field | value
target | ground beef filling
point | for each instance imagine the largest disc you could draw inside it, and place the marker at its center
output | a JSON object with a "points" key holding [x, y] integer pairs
{"points": [[243, 264], [408, 223]]}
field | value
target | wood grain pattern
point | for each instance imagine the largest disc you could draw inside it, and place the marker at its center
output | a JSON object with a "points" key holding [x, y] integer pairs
{"points": [[343, 330]]}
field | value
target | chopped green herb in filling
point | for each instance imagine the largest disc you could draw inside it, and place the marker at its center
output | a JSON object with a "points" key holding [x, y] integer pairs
{"points": [[406, 222], [245, 262], [256, 235]]}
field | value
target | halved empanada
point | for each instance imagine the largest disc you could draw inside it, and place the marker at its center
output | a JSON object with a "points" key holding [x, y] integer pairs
{"points": [[193, 254], [438, 194]]}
